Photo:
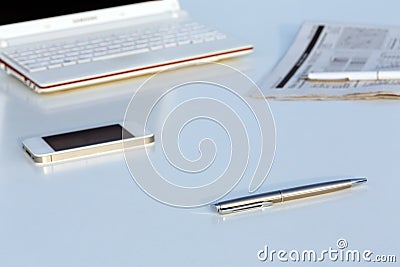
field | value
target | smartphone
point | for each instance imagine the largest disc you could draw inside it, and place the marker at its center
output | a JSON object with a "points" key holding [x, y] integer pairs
{"points": [[83, 143]]}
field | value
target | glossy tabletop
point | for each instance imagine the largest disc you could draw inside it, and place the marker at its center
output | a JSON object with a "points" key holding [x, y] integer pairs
{"points": [[91, 212]]}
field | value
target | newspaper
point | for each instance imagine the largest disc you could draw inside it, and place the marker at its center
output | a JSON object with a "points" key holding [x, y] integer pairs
{"points": [[326, 47]]}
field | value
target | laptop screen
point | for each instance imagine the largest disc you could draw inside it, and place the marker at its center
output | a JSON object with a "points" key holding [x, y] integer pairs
{"points": [[16, 11]]}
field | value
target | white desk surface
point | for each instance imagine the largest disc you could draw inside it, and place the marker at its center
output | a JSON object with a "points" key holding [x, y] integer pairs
{"points": [[93, 213]]}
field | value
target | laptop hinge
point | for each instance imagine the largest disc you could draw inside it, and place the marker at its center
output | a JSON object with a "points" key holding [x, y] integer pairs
{"points": [[51, 35]]}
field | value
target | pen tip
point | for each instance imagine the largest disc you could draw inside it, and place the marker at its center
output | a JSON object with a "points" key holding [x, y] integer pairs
{"points": [[359, 180]]}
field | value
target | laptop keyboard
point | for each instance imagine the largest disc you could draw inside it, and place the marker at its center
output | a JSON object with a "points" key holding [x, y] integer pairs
{"points": [[101, 47]]}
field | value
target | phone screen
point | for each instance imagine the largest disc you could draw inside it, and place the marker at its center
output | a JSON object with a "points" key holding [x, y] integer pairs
{"points": [[87, 137]]}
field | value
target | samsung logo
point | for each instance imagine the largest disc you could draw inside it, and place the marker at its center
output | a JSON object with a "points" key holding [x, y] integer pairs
{"points": [[84, 19]]}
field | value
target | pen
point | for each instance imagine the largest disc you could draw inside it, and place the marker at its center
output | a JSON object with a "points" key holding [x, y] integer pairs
{"points": [[353, 76], [279, 196]]}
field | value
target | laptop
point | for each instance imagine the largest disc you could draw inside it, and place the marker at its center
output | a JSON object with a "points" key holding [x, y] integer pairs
{"points": [[69, 46]]}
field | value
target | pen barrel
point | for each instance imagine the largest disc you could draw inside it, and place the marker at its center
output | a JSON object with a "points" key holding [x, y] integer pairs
{"points": [[388, 75], [314, 190]]}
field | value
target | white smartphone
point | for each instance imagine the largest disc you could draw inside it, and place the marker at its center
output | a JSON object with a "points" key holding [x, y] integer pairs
{"points": [[82, 143]]}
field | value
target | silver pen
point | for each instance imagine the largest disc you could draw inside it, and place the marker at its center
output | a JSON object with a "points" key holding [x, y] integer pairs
{"points": [[377, 75], [279, 196]]}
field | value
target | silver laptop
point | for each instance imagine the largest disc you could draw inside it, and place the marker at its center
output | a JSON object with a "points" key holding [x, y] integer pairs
{"points": [[83, 44]]}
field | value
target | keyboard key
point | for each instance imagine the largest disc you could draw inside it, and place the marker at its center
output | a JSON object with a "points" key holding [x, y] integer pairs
{"points": [[84, 60], [72, 54], [72, 58], [197, 41], [57, 56], [43, 59], [140, 46], [33, 56], [128, 48], [69, 63], [184, 42], [156, 47], [127, 53], [114, 46], [84, 56], [128, 44], [96, 41], [57, 61], [36, 67], [25, 62], [98, 54], [82, 43], [54, 66], [114, 51], [26, 53], [142, 41], [170, 44], [100, 49]]}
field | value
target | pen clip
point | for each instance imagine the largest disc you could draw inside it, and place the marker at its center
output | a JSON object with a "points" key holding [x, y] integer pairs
{"points": [[266, 204], [246, 207]]}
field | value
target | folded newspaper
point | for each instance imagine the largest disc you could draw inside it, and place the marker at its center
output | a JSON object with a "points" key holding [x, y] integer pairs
{"points": [[326, 47]]}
